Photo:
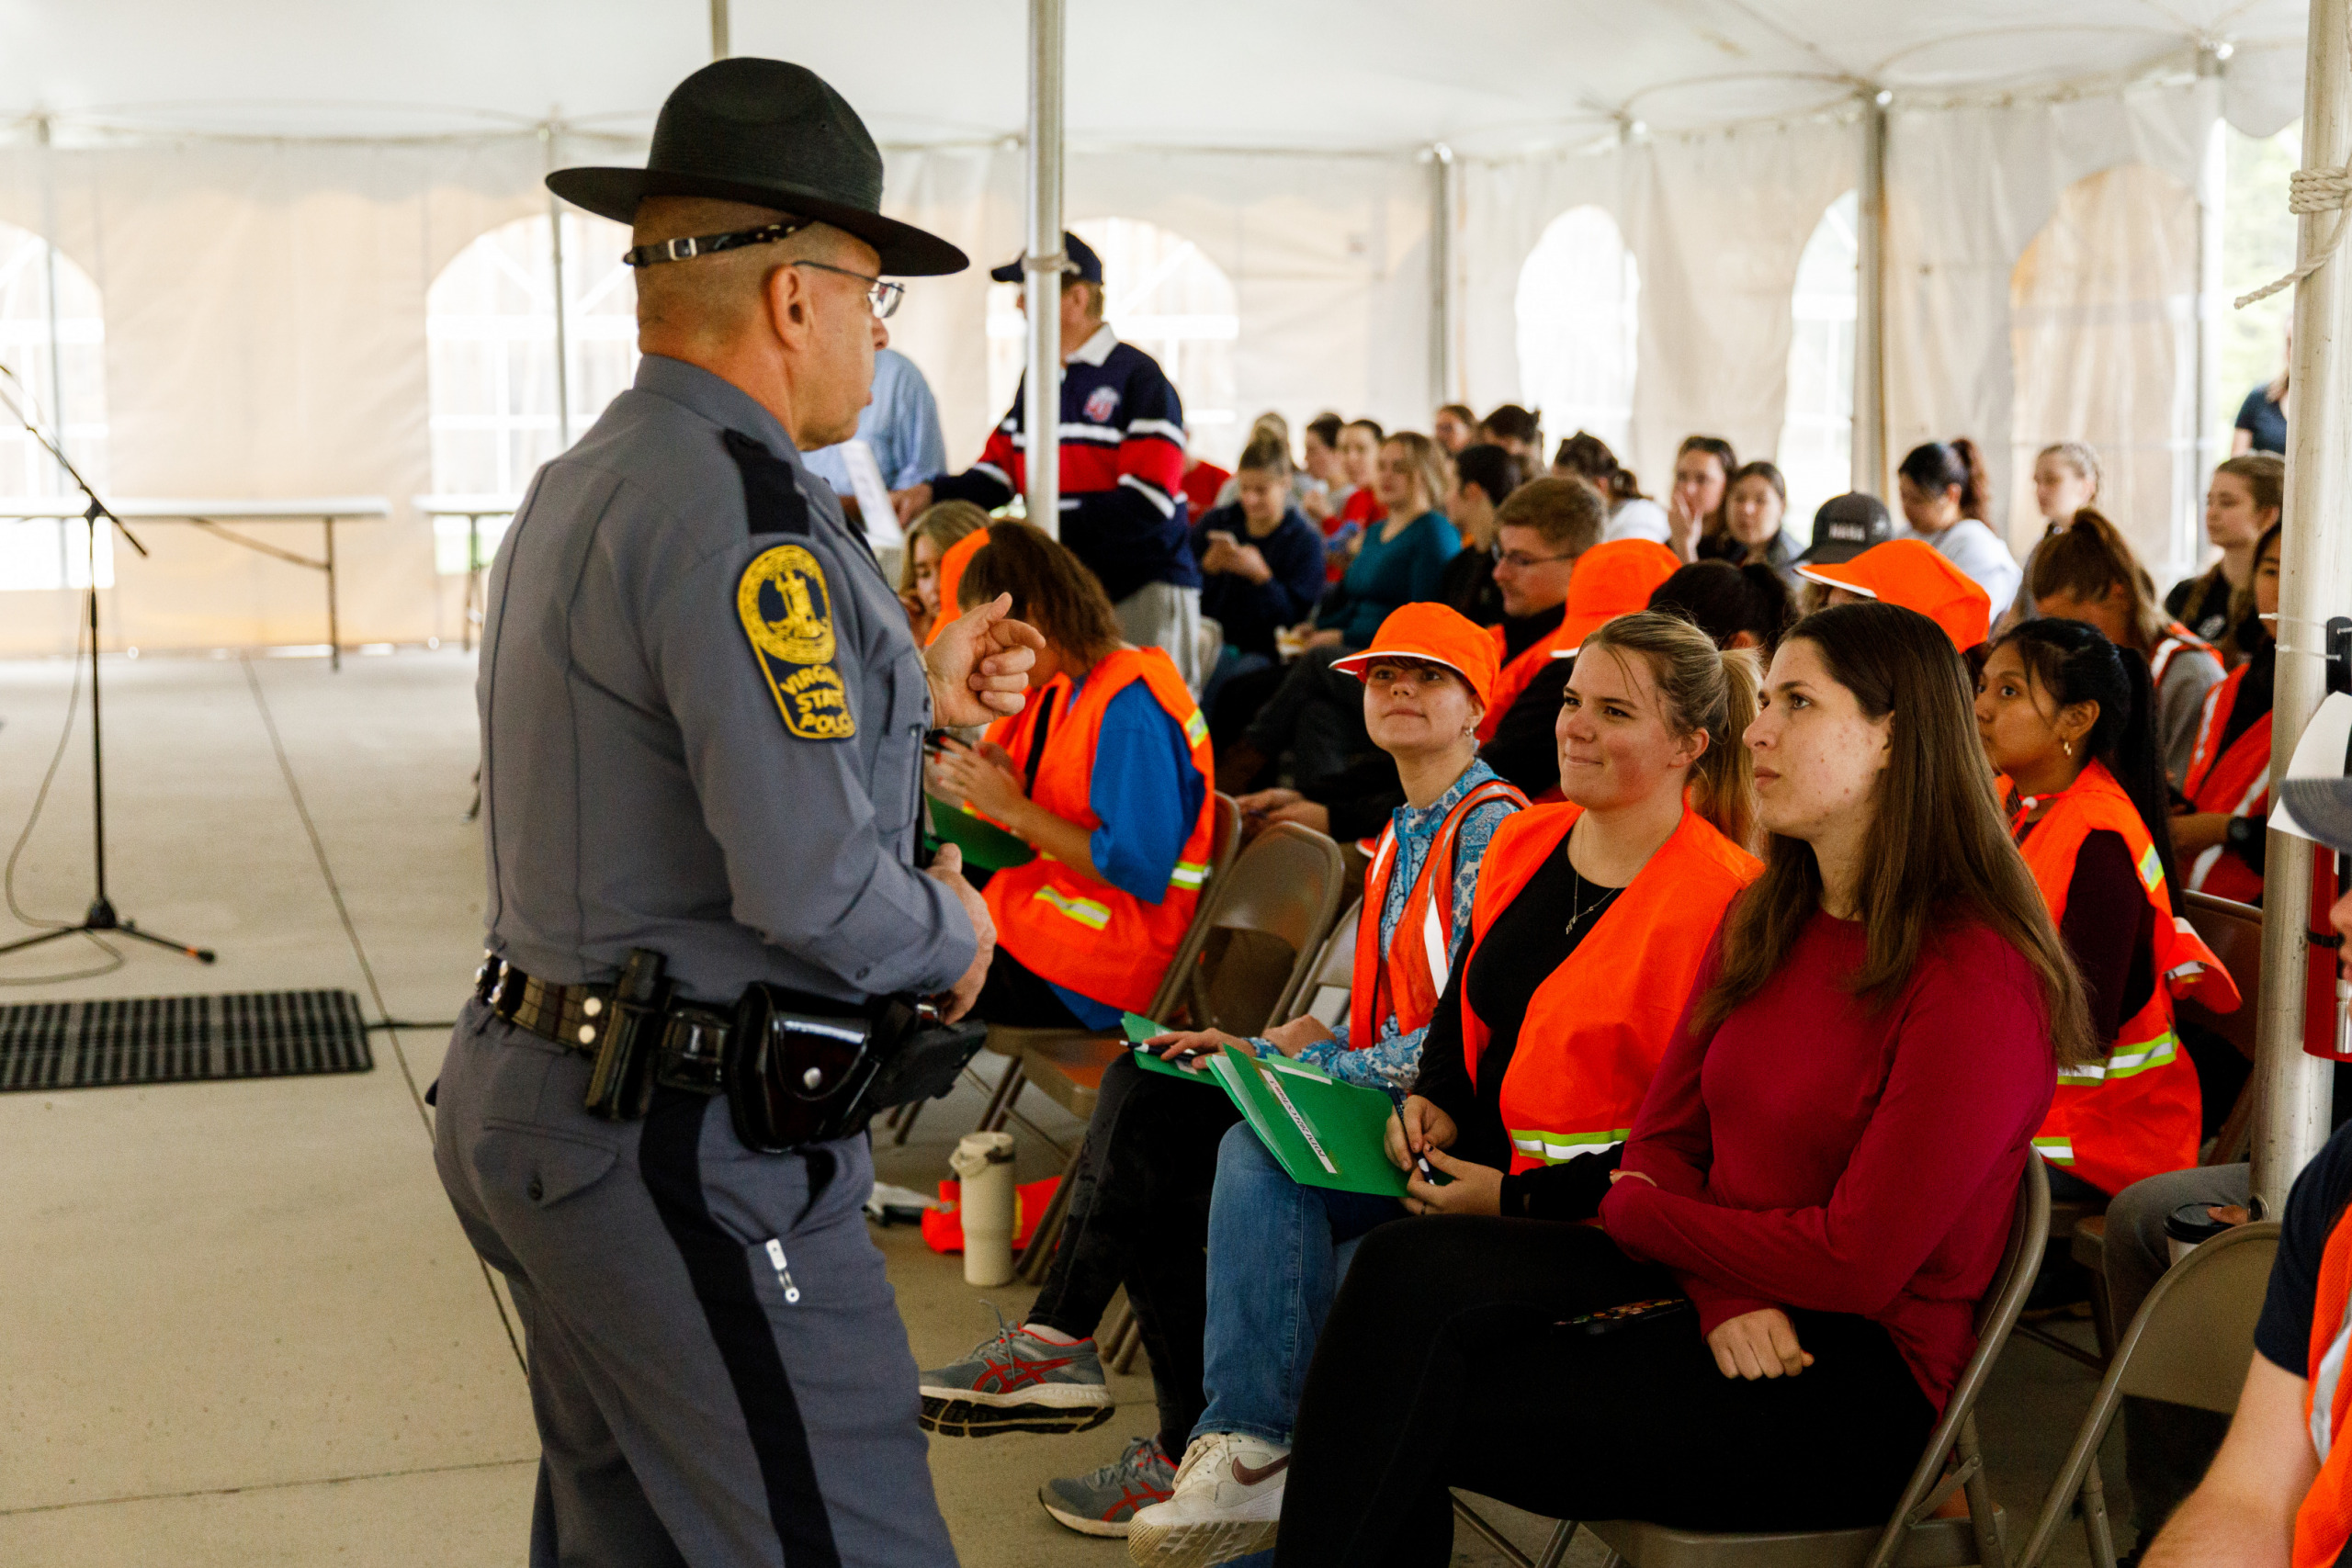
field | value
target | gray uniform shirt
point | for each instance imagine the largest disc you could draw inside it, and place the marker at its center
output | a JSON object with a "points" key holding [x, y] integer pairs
{"points": [[651, 776]]}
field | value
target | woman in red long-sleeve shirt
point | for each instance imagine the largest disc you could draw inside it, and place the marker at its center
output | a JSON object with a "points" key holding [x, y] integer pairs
{"points": [[1823, 1169]]}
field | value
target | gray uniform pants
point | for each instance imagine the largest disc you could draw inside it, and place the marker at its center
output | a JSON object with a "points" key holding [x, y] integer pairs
{"points": [[1162, 615], [689, 1412]]}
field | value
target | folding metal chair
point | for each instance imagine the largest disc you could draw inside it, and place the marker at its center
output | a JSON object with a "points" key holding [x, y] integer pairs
{"points": [[1915, 1537], [2189, 1345]]}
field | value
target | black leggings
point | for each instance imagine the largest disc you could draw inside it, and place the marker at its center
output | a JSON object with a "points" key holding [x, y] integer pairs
{"points": [[1138, 1216], [1442, 1365]]}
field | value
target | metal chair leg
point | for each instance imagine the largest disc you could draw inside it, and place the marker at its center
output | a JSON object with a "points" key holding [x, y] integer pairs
{"points": [[1555, 1551], [2097, 1529], [907, 1114], [999, 1110], [1037, 1256]]}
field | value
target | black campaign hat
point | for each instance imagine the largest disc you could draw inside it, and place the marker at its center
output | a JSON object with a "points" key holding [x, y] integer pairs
{"points": [[1846, 526], [1084, 265], [774, 135]]}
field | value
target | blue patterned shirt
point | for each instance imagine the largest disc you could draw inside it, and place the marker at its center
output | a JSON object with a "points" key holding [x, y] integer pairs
{"points": [[1395, 1061]]}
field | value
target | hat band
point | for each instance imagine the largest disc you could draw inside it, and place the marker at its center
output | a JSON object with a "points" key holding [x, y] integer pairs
{"points": [[705, 244]]}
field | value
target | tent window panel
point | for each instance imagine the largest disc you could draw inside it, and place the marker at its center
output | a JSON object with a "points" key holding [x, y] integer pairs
{"points": [[57, 349], [1161, 294], [1578, 303], [2102, 337], [490, 332], [1818, 432]]}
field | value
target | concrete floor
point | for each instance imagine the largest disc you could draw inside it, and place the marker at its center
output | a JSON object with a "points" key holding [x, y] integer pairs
{"points": [[242, 1325]]}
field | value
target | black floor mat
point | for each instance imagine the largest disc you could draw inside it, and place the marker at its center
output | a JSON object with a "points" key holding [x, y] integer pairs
{"points": [[147, 1040]]}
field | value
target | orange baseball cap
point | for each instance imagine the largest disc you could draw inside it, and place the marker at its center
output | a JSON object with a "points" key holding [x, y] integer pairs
{"points": [[1914, 574], [1436, 635], [1611, 580], [952, 562]]}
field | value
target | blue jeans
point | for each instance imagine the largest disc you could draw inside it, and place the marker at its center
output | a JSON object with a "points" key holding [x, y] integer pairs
{"points": [[1277, 1252]]}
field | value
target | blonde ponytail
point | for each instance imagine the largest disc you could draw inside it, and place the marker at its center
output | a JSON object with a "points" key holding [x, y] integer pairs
{"points": [[1708, 691]]}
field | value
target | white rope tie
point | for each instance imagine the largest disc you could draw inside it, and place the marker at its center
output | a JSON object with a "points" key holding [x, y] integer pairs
{"points": [[2309, 191]]}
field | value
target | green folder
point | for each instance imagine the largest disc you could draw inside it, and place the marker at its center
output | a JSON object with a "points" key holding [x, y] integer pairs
{"points": [[984, 844], [1322, 1132]]}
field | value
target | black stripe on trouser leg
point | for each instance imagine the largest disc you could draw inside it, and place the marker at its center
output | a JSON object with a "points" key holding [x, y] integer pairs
{"points": [[670, 1159]]}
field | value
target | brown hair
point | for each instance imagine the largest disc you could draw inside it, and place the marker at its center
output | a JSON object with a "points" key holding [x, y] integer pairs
{"points": [[1589, 456], [1706, 689], [2090, 559], [1715, 446], [2265, 474], [1050, 590], [2242, 616], [942, 524], [1568, 513], [1938, 851], [1427, 460], [1266, 453], [1940, 465]]}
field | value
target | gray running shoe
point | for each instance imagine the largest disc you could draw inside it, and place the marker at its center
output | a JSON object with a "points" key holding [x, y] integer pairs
{"points": [[1101, 1501], [1014, 1381]]}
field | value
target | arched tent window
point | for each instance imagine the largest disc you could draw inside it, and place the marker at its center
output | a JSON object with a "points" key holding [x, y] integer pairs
{"points": [[490, 331], [2102, 337], [1818, 432], [1578, 294], [1161, 294], [57, 348]]}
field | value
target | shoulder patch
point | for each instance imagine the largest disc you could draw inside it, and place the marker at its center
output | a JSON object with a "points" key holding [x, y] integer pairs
{"points": [[787, 615]]}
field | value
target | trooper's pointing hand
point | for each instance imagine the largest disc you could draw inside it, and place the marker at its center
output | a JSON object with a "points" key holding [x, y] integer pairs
{"points": [[979, 667]]}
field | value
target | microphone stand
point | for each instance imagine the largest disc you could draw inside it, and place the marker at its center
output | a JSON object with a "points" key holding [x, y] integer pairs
{"points": [[101, 915]]}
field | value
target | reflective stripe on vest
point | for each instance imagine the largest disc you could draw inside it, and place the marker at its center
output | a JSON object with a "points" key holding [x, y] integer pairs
{"points": [[2135, 1113], [2236, 783], [1592, 1038], [1406, 980], [1068, 929]]}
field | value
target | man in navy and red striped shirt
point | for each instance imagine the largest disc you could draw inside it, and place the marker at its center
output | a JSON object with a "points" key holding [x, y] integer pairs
{"points": [[1123, 509]]}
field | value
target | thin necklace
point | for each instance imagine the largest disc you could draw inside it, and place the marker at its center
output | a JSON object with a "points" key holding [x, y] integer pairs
{"points": [[1576, 891]]}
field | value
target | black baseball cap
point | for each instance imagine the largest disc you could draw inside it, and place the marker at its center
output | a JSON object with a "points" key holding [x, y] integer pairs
{"points": [[1084, 265], [1846, 526]]}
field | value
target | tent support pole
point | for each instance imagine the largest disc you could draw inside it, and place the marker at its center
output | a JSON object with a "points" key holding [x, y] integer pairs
{"points": [[56, 353], [563, 333], [1870, 305], [2212, 189], [2294, 1090], [719, 44], [1442, 372], [1042, 269]]}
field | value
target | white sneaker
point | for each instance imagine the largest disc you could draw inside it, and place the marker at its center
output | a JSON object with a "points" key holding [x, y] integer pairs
{"points": [[1226, 1503]]}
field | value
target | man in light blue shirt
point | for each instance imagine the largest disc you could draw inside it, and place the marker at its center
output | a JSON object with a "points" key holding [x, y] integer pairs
{"points": [[901, 424]]}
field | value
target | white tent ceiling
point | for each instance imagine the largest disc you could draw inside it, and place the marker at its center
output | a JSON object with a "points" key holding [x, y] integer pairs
{"points": [[1496, 78]]}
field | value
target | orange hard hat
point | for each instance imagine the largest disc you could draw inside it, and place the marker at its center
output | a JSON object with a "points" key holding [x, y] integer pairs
{"points": [[952, 562], [1914, 574], [1437, 634], [1611, 580]]}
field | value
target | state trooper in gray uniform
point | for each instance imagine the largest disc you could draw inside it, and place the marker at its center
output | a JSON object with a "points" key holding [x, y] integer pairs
{"points": [[703, 718]]}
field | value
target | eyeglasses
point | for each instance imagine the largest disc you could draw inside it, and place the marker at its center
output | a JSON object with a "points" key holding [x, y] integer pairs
{"points": [[1519, 560], [884, 296]]}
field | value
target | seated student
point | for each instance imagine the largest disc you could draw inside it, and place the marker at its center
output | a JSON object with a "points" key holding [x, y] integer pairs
{"points": [[2281, 1489], [2065, 481], [1737, 606], [2219, 828], [1537, 1053], [2064, 715], [1754, 509], [1843, 527], [1106, 771], [1704, 466], [1401, 556], [1357, 505], [1484, 477], [2247, 495], [1632, 514], [1139, 1201], [1261, 566], [2084, 572], [1517, 431], [1909, 573], [936, 530], [1945, 496], [1832, 1192]]}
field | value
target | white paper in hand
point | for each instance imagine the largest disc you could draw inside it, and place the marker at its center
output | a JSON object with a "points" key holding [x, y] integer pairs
{"points": [[873, 496], [2319, 754]]}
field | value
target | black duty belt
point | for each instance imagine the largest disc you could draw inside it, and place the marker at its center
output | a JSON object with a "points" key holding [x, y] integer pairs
{"points": [[691, 1047]]}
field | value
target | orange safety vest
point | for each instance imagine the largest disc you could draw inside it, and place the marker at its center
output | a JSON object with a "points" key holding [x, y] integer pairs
{"points": [[1099, 940], [1517, 674], [2324, 1522], [2236, 783], [1598, 1026], [1408, 979], [2136, 1113], [2178, 640]]}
